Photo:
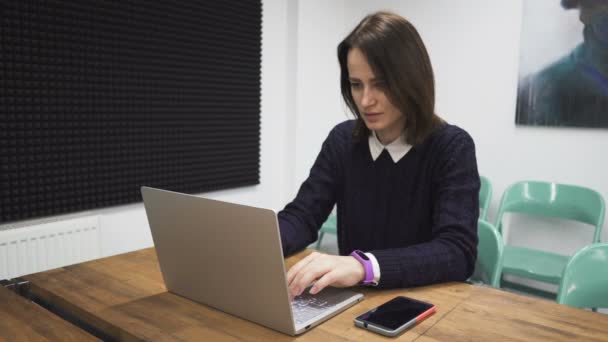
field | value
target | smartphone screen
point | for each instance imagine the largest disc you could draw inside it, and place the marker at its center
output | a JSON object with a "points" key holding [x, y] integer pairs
{"points": [[397, 313]]}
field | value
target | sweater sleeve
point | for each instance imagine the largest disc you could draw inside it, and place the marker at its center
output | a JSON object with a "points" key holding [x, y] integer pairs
{"points": [[451, 253], [301, 219]]}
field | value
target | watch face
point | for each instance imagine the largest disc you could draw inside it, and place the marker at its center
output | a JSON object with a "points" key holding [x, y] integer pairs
{"points": [[362, 255]]}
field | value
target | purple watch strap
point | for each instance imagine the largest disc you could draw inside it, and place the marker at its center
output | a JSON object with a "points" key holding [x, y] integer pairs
{"points": [[367, 266]]}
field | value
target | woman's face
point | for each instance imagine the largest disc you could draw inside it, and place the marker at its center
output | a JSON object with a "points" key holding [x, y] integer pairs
{"points": [[369, 94]]}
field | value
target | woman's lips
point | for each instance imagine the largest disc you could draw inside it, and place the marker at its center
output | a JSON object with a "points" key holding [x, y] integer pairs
{"points": [[372, 116]]}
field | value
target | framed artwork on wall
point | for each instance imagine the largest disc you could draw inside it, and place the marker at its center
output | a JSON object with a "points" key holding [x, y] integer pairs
{"points": [[563, 72]]}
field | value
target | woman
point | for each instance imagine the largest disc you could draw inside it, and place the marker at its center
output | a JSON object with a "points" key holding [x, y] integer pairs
{"points": [[404, 181]]}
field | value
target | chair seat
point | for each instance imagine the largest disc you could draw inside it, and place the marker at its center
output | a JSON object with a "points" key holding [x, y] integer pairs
{"points": [[534, 264]]}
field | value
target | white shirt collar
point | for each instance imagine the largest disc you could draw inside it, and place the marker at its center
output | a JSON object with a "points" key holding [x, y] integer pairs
{"points": [[397, 149]]}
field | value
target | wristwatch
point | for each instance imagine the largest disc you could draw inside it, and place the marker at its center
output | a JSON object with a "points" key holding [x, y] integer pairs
{"points": [[367, 266]]}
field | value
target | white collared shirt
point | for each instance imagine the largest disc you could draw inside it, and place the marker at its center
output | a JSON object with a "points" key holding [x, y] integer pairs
{"points": [[397, 150]]}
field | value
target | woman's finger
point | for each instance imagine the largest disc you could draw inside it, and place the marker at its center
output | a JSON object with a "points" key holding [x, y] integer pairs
{"points": [[326, 280], [315, 269], [295, 269]]}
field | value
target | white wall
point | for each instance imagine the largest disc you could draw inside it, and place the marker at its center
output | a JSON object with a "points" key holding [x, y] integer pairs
{"points": [[319, 103], [474, 48]]}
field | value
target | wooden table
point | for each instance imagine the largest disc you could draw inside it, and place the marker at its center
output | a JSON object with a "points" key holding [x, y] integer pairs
{"points": [[22, 320], [124, 296]]}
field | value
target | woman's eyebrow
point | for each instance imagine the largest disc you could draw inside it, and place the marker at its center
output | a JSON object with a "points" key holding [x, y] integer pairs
{"points": [[373, 79]]}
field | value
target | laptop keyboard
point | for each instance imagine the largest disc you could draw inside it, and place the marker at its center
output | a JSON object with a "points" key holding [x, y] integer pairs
{"points": [[307, 306]]}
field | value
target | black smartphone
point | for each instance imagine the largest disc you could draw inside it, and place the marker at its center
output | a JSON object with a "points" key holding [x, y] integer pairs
{"points": [[395, 316]]}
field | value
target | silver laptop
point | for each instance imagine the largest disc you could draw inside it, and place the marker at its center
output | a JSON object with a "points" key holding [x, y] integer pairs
{"points": [[229, 256]]}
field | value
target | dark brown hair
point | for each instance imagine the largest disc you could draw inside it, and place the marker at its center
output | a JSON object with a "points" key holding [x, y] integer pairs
{"points": [[568, 4], [395, 52]]}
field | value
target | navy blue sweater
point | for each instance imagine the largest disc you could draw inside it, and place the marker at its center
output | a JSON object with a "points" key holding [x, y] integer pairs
{"points": [[418, 216]]}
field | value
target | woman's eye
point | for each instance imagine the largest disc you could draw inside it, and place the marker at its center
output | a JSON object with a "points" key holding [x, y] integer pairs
{"points": [[355, 85]]}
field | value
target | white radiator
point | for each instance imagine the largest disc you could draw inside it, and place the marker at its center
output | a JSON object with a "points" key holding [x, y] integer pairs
{"points": [[46, 246]]}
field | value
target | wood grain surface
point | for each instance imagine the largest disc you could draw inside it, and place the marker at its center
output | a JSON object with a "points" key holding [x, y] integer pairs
{"points": [[22, 320], [125, 297]]}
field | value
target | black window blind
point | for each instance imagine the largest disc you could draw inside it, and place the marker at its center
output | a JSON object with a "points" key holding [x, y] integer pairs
{"points": [[98, 98]]}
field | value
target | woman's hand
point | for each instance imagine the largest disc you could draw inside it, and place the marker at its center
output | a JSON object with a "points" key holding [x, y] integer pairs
{"points": [[337, 271]]}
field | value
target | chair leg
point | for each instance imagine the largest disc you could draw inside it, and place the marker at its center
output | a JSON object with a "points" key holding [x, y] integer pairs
{"points": [[318, 246]]}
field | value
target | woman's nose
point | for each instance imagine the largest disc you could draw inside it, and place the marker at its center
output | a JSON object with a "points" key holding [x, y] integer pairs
{"points": [[368, 98]]}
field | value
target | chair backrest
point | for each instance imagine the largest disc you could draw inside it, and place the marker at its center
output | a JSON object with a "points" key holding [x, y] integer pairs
{"points": [[488, 266], [331, 224], [584, 282], [554, 200], [485, 197]]}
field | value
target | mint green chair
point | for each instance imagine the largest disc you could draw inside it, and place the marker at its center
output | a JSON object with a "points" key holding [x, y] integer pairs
{"points": [[485, 197], [489, 255], [585, 280], [330, 226], [546, 199]]}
